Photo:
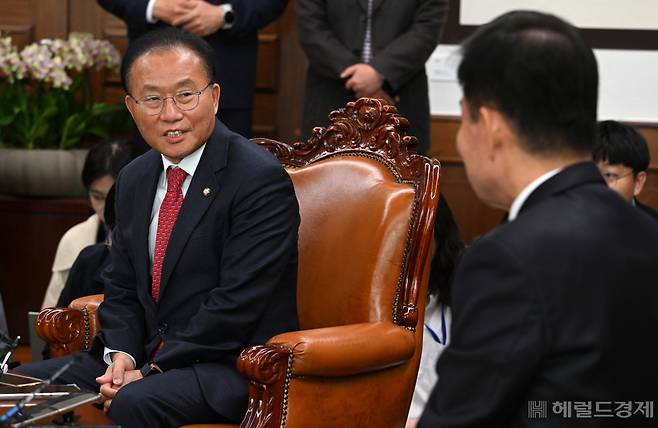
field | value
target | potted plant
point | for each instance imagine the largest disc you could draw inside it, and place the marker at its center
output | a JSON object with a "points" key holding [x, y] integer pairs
{"points": [[47, 113]]}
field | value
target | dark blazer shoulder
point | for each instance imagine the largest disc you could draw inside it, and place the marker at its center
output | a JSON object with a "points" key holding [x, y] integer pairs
{"points": [[248, 153], [245, 156], [572, 214], [138, 167], [647, 209]]}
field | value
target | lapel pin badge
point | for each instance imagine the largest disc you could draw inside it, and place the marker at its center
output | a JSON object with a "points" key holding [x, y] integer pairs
{"points": [[206, 192]]}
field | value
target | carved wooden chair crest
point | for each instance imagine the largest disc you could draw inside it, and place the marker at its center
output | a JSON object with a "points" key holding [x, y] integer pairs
{"points": [[367, 207]]}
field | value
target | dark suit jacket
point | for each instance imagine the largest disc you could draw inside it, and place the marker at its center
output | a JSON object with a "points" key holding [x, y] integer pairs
{"points": [[647, 209], [85, 275], [236, 48], [229, 273], [557, 305], [404, 35]]}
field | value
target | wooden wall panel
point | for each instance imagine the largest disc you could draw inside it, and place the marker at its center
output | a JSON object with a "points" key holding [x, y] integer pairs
{"points": [[475, 218], [21, 34], [292, 66], [17, 21], [84, 16], [17, 12], [264, 115], [267, 74], [281, 66], [51, 18]]}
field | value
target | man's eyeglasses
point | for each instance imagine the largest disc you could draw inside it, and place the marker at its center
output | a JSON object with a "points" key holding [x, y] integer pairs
{"points": [[612, 177], [184, 100]]}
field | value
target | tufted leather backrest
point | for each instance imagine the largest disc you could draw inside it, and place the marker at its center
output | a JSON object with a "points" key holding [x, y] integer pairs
{"points": [[355, 220], [367, 205]]}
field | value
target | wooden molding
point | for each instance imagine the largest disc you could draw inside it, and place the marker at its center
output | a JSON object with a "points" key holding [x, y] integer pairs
{"points": [[366, 125], [269, 369]]}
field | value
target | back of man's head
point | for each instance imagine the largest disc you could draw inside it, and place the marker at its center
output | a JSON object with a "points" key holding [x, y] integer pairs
{"points": [[539, 72], [620, 144]]}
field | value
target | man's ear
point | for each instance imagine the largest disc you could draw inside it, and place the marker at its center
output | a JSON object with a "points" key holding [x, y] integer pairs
{"points": [[216, 92], [495, 127], [130, 105], [639, 181]]}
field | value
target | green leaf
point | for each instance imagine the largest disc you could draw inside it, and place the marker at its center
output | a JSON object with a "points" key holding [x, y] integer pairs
{"points": [[7, 120]]}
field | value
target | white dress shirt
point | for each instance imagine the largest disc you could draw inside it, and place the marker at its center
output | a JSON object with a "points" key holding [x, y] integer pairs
{"points": [[527, 191]]}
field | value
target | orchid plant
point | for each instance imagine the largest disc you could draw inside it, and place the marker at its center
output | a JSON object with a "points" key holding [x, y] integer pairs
{"points": [[45, 93]]}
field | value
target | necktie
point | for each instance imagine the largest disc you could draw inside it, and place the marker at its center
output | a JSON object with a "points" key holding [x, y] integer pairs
{"points": [[166, 219], [366, 53]]}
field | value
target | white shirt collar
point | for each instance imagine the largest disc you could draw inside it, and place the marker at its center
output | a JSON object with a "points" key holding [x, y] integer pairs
{"points": [[189, 163], [527, 191]]}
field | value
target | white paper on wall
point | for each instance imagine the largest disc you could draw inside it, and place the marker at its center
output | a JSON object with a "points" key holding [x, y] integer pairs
{"points": [[598, 14]]}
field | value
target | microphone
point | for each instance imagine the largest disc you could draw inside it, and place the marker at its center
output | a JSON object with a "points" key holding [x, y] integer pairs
{"points": [[16, 410]]}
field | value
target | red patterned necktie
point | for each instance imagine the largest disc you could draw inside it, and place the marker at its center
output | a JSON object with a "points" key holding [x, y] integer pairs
{"points": [[166, 219]]}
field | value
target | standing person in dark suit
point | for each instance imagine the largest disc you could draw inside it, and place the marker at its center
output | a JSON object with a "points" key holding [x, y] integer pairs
{"points": [[204, 251], [622, 156], [554, 305], [369, 48], [229, 26]]}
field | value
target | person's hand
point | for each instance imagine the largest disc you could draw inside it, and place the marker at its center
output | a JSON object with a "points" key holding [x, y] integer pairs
{"points": [[118, 374], [201, 19], [362, 79], [170, 10]]}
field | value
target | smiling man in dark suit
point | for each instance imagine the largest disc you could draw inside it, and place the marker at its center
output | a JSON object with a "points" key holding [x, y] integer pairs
{"points": [[555, 305], [204, 252]]}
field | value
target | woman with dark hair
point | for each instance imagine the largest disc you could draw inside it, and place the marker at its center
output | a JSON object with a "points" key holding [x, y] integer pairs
{"points": [[448, 247], [85, 275], [101, 168]]}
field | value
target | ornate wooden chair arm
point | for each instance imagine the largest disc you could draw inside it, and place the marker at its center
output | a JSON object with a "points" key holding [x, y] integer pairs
{"points": [[70, 329], [331, 352], [347, 350]]}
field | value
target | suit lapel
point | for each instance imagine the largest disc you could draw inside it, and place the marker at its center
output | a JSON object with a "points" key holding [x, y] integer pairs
{"points": [[196, 201], [143, 204]]}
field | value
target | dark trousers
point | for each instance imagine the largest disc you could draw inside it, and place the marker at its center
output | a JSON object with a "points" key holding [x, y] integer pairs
{"points": [[169, 399]]}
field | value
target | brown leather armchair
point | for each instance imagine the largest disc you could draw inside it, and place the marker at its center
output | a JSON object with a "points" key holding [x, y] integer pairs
{"points": [[367, 215]]}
